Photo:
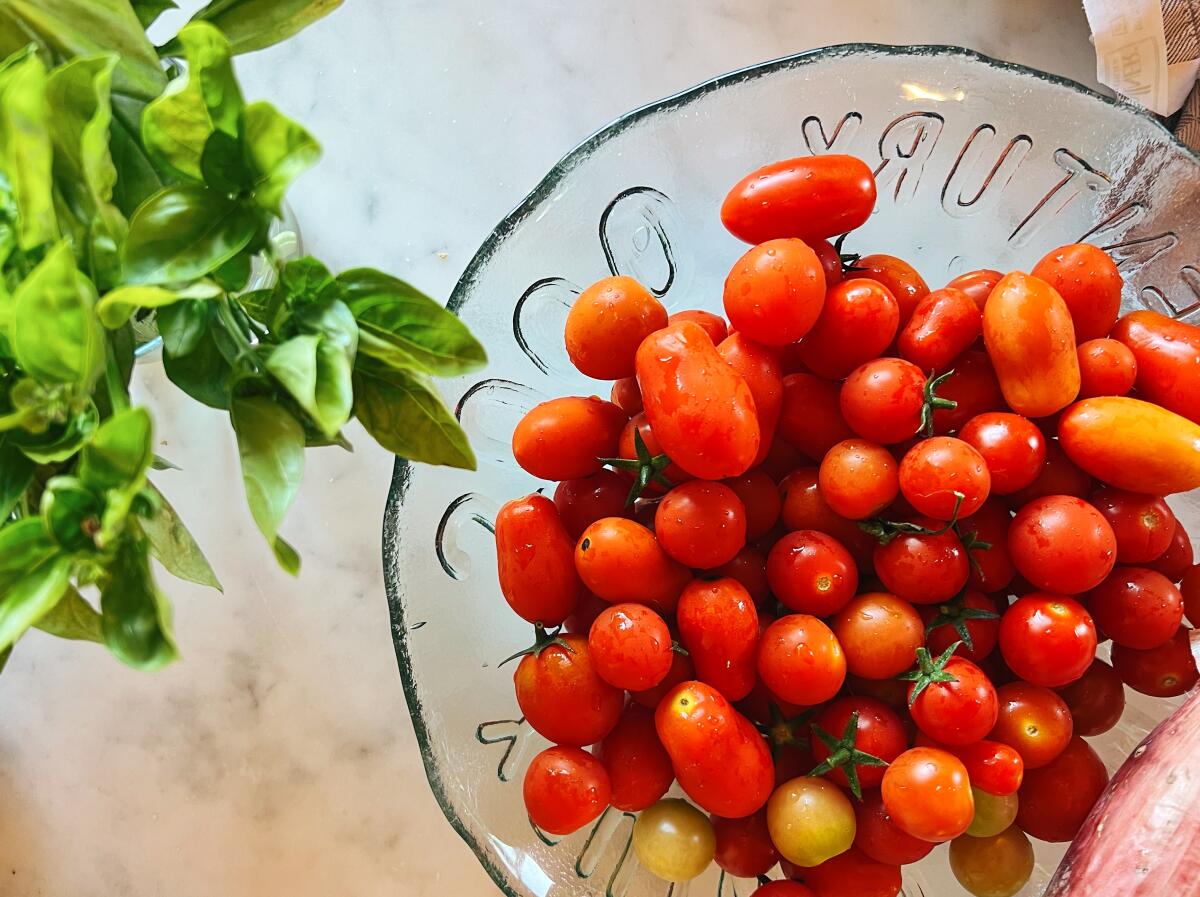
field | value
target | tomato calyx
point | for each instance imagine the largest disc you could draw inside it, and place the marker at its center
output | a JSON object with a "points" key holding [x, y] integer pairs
{"points": [[884, 531], [677, 648], [784, 731], [934, 402], [542, 639], [956, 613], [646, 468], [929, 670], [849, 259], [845, 755]]}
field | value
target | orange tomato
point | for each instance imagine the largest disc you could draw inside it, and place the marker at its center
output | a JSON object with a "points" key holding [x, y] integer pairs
{"points": [[607, 323], [535, 558], [620, 560], [1168, 360], [565, 438]]}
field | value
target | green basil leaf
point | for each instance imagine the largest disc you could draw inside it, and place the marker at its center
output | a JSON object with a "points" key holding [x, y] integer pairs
{"points": [[223, 165], [404, 414], [16, 473], [185, 231], [403, 328], [234, 274], [26, 153], [118, 306], [148, 11], [271, 447], [307, 280], [256, 24], [175, 547], [278, 151], [183, 325], [135, 615], [120, 451], [137, 178], [73, 618], [191, 357], [33, 576], [72, 513], [56, 335], [59, 443], [316, 366]]}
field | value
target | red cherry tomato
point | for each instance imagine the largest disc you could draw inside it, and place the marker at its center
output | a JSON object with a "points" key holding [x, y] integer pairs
{"points": [[810, 197], [719, 627], [811, 417], [1096, 699], [701, 524], [804, 507], [583, 501], [858, 321], [1089, 283], [992, 766], [535, 560], [744, 847], [900, 278], [1059, 476], [853, 874], [561, 695], [884, 400], [1189, 586], [713, 325], [760, 499], [759, 367], [943, 325], [879, 634], [831, 261], [991, 568], [1062, 544], [1055, 799], [942, 623], [1033, 720], [638, 766], [681, 671], [936, 472], [1012, 446], [630, 647], [1168, 360], [958, 711], [565, 438], [812, 573], [701, 409], [878, 732], [928, 795], [782, 889], [1136, 607], [1162, 672], [1047, 639], [565, 789], [1106, 368], [775, 292], [973, 388], [800, 660], [749, 567], [1143, 524], [607, 323], [627, 396], [858, 478], [1177, 559], [977, 284], [586, 610], [880, 838], [621, 561], [923, 568]]}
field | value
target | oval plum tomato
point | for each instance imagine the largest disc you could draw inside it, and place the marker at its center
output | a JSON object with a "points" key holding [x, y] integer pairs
{"points": [[993, 767], [811, 416], [812, 573], [583, 501], [878, 837], [562, 697], [1029, 336], [1062, 544], [1033, 720], [810, 197], [535, 561], [681, 671], [879, 634], [1136, 607], [1162, 672], [857, 323], [1012, 446], [565, 789], [971, 618], [1189, 586], [783, 888], [991, 568], [1168, 360], [800, 660], [638, 766], [996, 866], [713, 325], [952, 701], [1143, 524], [1177, 559], [937, 471], [1106, 368], [1088, 282], [923, 568], [974, 389], [886, 400], [565, 438], [701, 524], [1059, 476], [719, 627], [760, 499], [775, 292], [900, 278], [878, 731], [638, 428], [1096, 699], [720, 760], [858, 478], [977, 284], [621, 561], [701, 409], [759, 367], [673, 840], [607, 323], [927, 794], [943, 325], [627, 396], [831, 261], [804, 507], [854, 874], [1047, 639], [810, 820], [630, 647], [1057, 797], [744, 847]]}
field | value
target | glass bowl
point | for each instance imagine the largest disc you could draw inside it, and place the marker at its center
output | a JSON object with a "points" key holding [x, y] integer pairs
{"points": [[979, 164]]}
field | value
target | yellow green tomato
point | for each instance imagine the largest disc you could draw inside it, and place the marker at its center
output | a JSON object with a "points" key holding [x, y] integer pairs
{"points": [[993, 813], [674, 840], [998, 866], [810, 820]]}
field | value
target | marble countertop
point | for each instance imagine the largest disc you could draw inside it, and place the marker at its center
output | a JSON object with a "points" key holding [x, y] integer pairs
{"points": [[277, 756]]}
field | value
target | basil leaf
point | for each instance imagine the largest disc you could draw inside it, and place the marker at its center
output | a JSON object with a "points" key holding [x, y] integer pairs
{"points": [[316, 366], [183, 325], [119, 453], [405, 415], [402, 327], [137, 178], [72, 513], [118, 306], [56, 335], [256, 24], [26, 154], [175, 547], [223, 165], [262, 305], [33, 576], [271, 447], [185, 231], [233, 275], [278, 151], [135, 616], [16, 473], [60, 443], [307, 280], [191, 357], [148, 11], [73, 618]]}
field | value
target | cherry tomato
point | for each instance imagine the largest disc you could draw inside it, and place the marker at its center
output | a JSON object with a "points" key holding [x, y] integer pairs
{"points": [[782, 888], [973, 388], [1096, 699], [858, 478], [1177, 559], [719, 627], [810, 197], [749, 568], [944, 621], [1031, 341], [1162, 672], [1106, 368], [627, 396], [800, 660], [759, 367], [775, 292], [957, 711], [1013, 447], [760, 499], [621, 561], [583, 501], [720, 760], [993, 767], [1059, 476], [1136, 607], [884, 400], [701, 409], [1143, 524], [1062, 544], [701, 524], [1168, 360], [857, 323], [565, 438], [673, 840], [977, 284], [854, 874], [993, 813], [879, 732], [900, 278], [1047, 639], [561, 695], [880, 838], [804, 507], [744, 847], [991, 568], [630, 647], [1057, 797], [831, 261], [565, 789], [879, 634], [1089, 283], [943, 325], [713, 325], [810, 820], [1032, 719], [927, 794], [997, 866], [637, 764], [607, 323], [936, 471], [1189, 587], [535, 559], [811, 417], [681, 671], [923, 568], [812, 573], [586, 610]]}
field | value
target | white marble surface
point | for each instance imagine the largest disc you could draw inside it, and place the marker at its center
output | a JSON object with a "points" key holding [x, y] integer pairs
{"points": [[277, 757]]}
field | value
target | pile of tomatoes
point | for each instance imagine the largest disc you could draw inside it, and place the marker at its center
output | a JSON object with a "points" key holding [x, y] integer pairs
{"points": [[839, 562]]}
